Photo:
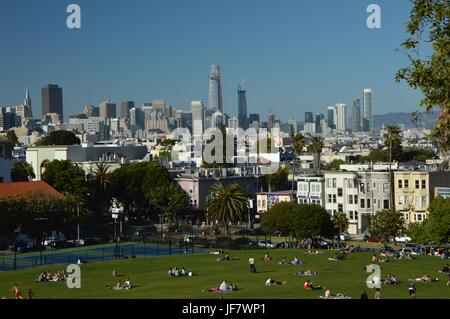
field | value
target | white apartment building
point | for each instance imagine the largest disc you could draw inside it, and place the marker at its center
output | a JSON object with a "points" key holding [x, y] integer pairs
{"points": [[311, 190]]}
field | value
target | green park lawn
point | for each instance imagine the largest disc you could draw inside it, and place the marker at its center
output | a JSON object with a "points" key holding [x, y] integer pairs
{"points": [[149, 275]]}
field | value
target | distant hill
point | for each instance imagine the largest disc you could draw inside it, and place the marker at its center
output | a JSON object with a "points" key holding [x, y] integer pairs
{"points": [[426, 120]]}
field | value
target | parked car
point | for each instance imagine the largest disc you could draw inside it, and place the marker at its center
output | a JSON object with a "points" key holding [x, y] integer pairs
{"points": [[373, 239], [408, 251], [344, 236], [267, 244], [60, 244], [403, 239]]}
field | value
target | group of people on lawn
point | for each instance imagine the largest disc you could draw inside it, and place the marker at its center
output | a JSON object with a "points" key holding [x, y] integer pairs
{"points": [[175, 272], [47, 276]]}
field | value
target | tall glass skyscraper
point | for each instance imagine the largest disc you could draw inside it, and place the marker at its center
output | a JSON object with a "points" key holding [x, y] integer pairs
{"points": [[52, 100], [215, 89], [242, 108], [356, 116], [367, 116], [309, 118], [332, 117]]}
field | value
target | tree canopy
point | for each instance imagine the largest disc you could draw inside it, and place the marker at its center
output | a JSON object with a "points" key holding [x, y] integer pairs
{"points": [[60, 138]]}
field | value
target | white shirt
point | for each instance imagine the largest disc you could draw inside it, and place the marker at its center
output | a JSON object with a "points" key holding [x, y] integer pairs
{"points": [[251, 261]]}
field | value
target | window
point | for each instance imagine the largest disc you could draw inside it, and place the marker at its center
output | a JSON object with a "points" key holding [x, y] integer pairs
{"points": [[329, 198], [356, 215], [418, 201], [350, 199], [386, 204], [368, 203], [340, 208], [418, 217], [386, 188], [351, 215], [401, 200], [340, 192], [400, 183], [363, 202], [424, 184], [334, 182], [417, 184], [334, 199], [356, 199], [406, 183]]}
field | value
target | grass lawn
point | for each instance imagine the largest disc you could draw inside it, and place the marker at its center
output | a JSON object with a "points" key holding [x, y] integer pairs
{"points": [[151, 280]]}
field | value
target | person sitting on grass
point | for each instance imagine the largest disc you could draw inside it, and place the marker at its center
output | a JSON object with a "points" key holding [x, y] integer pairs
{"points": [[283, 261], [224, 287], [390, 280], [127, 285], [424, 279], [267, 257], [271, 282], [307, 273], [445, 270], [308, 285], [374, 260]]}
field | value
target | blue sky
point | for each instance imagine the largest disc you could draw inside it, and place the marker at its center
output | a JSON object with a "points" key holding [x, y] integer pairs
{"points": [[298, 55]]}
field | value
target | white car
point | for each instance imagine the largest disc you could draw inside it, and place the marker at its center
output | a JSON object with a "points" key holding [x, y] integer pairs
{"points": [[267, 244], [403, 239], [407, 251]]}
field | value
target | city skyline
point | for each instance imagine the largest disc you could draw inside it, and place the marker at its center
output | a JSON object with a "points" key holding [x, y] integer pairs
{"points": [[288, 83]]}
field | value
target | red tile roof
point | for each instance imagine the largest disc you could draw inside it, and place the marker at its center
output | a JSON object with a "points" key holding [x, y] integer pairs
{"points": [[22, 188]]}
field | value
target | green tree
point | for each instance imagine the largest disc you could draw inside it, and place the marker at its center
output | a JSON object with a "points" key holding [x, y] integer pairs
{"points": [[334, 165], [101, 186], [419, 233], [393, 141], [428, 27], [228, 204], [22, 172], [66, 177], [278, 179], [437, 225], [340, 221], [298, 143], [316, 147], [387, 224], [299, 221], [60, 138], [12, 137]]}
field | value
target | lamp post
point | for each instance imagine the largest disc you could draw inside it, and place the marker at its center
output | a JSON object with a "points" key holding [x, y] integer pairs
{"points": [[116, 210], [42, 237]]}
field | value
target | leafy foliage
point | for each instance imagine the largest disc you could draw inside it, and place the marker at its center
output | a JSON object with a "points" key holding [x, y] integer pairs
{"points": [[21, 172], [387, 224], [60, 138]]}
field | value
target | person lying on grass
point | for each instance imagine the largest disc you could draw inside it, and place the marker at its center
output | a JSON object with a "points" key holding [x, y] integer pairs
{"points": [[296, 261], [224, 287], [308, 285], [424, 279], [307, 273], [338, 256], [283, 261], [329, 295], [272, 282], [313, 252], [226, 258]]}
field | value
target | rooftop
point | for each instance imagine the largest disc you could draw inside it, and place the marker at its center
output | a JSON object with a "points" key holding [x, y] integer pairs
{"points": [[19, 189]]}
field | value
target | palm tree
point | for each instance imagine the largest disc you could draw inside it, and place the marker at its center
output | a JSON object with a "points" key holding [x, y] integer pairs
{"points": [[340, 221], [393, 141], [101, 175], [228, 204], [316, 148], [298, 143]]}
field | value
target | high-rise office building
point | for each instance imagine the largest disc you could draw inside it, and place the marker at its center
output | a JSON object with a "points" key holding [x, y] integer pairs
{"points": [[125, 107], [254, 118], [91, 111], [108, 109], [271, 120], [356, 116], [341, 117], [242, 108], [198, 117], [367, 112], [332, 117], [293, 122], [319, 118], [309, 118], [52, 100], [215, 89]]}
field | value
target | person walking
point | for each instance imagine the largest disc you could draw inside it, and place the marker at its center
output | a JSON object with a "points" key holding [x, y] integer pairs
{"points": [[412, 291], [251, 261]]}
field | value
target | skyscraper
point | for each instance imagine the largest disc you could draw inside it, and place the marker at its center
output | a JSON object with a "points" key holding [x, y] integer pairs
{"points": [[332, 117], [52, 100], [271, 120], [215, 89], [356, 116], [27, 105], [341, 117], [125, 107], [319, 118], [309, 118], [108, 109], [242, 108], [254, 118], [367, 113], [198, 118]]}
